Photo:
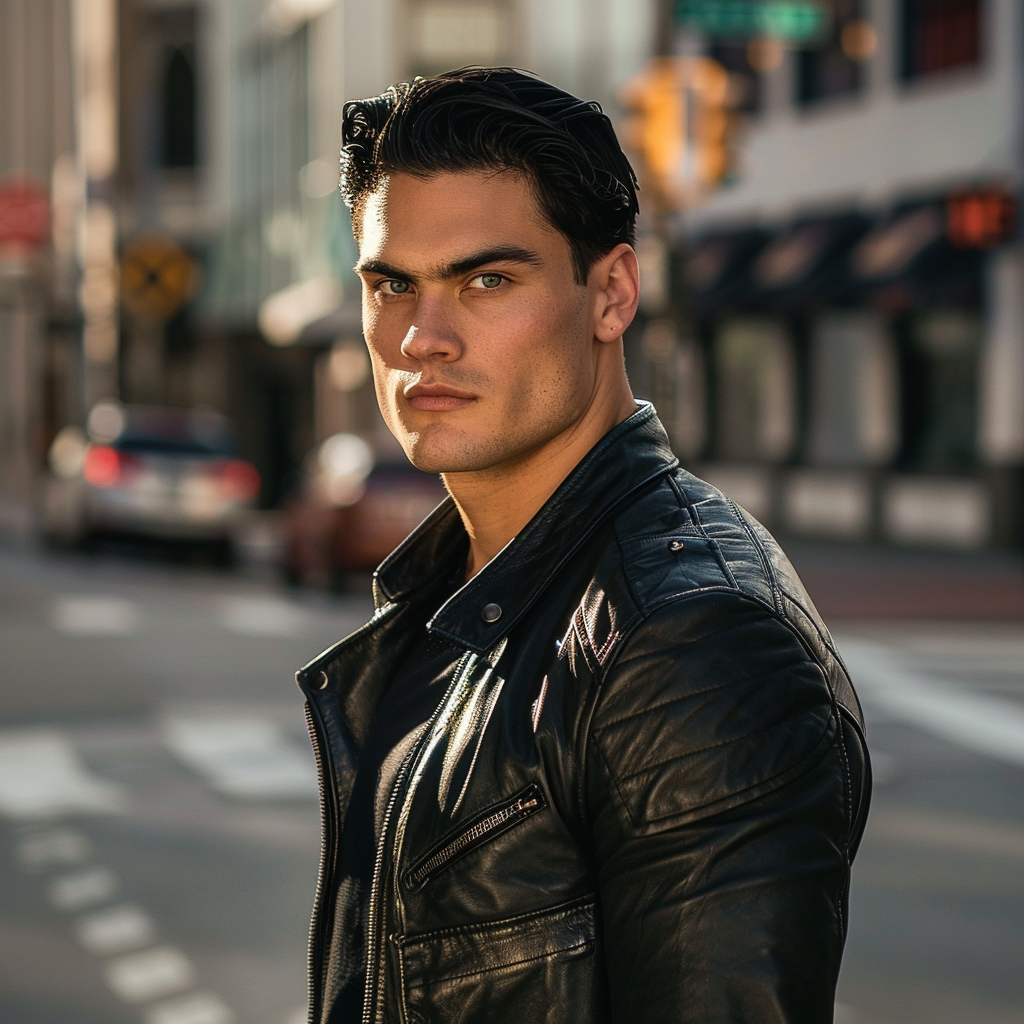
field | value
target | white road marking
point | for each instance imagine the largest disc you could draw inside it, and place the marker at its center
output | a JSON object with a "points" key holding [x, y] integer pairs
{"points": [[958, 835], [243, 757], [116, 930], [53, 847], [974, 721], [82, 889], [151, 974], [41, 776], [263, 616], [201, 1008], [94, 615]]}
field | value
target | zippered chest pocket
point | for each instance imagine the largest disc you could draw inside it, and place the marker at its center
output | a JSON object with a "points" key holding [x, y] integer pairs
{"points": [[473, 833]]}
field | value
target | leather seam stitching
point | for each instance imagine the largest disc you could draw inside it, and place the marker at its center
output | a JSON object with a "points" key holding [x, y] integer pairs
{"points": [[787, 775], [604, 726], [718, 746], [690, 507], [581, 903], [766, 567], [518, 963]]}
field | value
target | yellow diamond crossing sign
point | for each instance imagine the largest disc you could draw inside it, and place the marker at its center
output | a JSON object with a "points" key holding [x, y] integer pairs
{"points": [[157, 277]]}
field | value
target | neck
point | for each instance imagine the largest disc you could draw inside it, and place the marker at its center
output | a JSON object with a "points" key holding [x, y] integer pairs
{"points": [[496, 503]]}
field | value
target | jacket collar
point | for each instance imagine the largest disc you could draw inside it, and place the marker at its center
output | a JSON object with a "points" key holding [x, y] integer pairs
{"points": [[486, 609]]}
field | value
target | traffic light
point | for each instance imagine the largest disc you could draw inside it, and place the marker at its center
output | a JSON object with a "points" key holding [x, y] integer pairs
{"points": [[981, 219], [680, 126]]}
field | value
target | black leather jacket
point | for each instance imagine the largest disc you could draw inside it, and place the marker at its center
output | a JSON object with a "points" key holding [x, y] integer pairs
{"points": [[640, 797]]}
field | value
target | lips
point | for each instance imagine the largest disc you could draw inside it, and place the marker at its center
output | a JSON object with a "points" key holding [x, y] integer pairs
{"points": [[437, 397]]}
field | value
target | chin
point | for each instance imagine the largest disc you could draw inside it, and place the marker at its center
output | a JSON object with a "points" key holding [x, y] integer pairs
{"points": [[438, 450]]}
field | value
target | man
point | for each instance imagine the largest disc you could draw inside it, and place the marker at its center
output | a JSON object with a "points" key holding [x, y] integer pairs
{"points": [[594, 758]]}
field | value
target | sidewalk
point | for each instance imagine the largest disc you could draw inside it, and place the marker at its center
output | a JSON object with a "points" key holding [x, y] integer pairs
{"points": [[875, 582]]}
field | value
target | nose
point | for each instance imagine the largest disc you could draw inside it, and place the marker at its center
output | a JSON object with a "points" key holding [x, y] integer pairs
{"points": [[432, 336]]}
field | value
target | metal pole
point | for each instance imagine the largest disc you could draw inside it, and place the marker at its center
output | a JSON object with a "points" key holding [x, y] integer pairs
{"points": [[95, 45]]}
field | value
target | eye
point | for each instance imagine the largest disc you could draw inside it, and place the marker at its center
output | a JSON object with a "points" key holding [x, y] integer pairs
{"points": [[393, 287], [488, 281]]}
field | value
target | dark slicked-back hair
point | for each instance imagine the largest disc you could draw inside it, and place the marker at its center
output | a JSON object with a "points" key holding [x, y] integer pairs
{"points": [[500, 119]]}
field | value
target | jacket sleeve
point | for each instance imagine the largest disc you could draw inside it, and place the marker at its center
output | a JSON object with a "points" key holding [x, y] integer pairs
{"points": [[719, 797]]}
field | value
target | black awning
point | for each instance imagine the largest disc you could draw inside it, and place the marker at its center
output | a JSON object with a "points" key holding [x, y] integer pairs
{"points": [[908, 258], [806, 260], [898, 244], [711, 271]]}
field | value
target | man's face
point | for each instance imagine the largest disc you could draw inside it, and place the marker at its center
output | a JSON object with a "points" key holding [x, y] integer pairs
{"points": [[481, 340]]}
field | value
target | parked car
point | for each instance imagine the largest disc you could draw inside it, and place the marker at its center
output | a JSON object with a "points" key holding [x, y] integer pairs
{"points": [[147, 471], [350, 509]]}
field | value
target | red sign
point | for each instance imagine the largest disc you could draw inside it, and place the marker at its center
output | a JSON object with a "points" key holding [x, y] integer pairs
{"points": [[24, 214], [982, 219]]}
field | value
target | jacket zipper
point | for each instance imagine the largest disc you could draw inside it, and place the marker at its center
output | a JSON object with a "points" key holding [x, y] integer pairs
{"points": [[524, 804], [327, 840], [376, 953]]}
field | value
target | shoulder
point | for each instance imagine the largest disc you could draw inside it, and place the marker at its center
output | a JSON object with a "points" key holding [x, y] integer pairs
{"points": [[716, 680], [684, 544], [708, 703]]}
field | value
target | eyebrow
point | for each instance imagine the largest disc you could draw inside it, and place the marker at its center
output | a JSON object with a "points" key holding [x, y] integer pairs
{"points": [[456, 268]]}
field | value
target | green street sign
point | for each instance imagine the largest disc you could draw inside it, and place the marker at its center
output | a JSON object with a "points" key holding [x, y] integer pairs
{"points": [[796, 21]]}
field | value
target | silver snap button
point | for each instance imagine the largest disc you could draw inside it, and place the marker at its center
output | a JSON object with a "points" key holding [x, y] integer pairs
{"points": [[323, 680], [491, 612], [676, 545]]}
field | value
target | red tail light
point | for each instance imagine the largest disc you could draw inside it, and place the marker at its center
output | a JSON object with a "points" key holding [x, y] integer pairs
{"points": [[102, 466], [240, 480]]}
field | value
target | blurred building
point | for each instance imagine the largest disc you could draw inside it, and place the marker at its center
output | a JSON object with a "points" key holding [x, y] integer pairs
{"points": [[839, 341], [230, 128], [40, 347], [189, 247], [849, 350]]}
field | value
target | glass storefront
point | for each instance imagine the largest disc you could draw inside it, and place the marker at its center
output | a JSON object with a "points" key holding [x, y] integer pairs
{"points": [[841, 360], [940, 390], [854, 394], [755, 390]]}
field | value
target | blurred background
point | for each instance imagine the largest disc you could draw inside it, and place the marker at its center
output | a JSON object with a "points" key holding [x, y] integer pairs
{"points": [[195, 481]]}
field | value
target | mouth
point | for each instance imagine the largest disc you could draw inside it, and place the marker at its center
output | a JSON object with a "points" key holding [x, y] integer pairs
{"points": [[437, 397]]}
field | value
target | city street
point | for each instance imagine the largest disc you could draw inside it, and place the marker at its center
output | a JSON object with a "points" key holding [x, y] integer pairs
{"points": [[160, 829], [159, 836]]}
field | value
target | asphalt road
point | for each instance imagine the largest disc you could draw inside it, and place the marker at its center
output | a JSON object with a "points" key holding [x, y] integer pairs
{"points": [[158, 821]]}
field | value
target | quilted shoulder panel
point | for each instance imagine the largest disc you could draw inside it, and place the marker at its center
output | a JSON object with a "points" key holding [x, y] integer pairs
{"points": [[711, 701]]}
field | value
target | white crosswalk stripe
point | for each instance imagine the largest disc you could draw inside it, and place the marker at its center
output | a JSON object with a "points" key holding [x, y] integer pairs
{"points": [[82, 889], [116, 930], [263, 616], [977, 722], [199, 1008], [248, 757], [42, 776], [52, 847], [150, 974], [94, 615]]}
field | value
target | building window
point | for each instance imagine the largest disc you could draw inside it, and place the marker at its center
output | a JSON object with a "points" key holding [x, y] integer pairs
{"points": [[854, 390], [178, 108], [940, 35], [835, 66], [940, 390], [755, 391]]}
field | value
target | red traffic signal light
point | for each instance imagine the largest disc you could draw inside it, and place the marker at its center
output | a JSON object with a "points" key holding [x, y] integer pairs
{"points": [[981, 219]]}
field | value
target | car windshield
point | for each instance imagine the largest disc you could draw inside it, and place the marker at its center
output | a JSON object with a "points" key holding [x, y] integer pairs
{"points": [[157, 431], [154, 444]]}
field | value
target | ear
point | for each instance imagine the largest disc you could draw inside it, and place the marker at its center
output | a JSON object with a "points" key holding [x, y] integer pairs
{"points": [[615, 282]]}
